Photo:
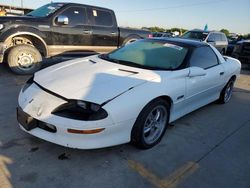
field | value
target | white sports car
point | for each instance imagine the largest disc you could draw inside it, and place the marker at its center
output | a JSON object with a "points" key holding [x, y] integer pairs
{"points": [[130, 94]]}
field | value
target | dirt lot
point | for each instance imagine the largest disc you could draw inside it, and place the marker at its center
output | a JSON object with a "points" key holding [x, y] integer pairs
{"points": [[207, 148]]}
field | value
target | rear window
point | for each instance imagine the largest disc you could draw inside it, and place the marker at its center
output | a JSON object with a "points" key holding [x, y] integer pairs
{"points": [[102, 17], [197, 35], [224, 38]]}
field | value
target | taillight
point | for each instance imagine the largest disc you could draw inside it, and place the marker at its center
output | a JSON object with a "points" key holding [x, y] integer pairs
{"points": [[150, 36]]}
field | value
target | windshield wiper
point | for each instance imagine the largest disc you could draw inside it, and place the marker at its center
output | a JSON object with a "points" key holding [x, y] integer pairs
{"points": [[106, 57]]}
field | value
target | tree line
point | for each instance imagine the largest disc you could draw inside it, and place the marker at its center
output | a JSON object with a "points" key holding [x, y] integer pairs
{"points": [[183, 30]]}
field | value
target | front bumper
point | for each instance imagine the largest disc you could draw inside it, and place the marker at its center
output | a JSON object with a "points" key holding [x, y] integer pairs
{"points": [[2, 50], [35, 111], [110, 136]]}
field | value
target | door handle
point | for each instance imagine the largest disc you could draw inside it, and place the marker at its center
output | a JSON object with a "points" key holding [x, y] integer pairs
{"points": [[113, 33], [221, 73], [87, 32]]}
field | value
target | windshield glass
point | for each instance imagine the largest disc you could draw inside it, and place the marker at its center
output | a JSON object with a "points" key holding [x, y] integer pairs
{"points": [[198, 35], [45, 10], [149, 54]]}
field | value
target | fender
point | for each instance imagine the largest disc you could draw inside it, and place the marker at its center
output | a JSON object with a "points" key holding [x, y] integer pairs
{"points": [[12, 32]]}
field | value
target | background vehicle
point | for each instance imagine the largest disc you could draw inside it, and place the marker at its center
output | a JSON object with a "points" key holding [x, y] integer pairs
{"points": [[60, 28], [215, 38], [230, 47], [242, 51], [130, 94], [162, 34]]}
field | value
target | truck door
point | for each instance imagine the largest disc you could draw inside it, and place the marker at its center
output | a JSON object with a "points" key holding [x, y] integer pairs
{"points": [[104, 29], [71, 31]]}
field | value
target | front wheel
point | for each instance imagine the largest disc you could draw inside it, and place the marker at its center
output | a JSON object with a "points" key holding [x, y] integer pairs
{"points": [[227, 92], [24, 59], [151, 124]]}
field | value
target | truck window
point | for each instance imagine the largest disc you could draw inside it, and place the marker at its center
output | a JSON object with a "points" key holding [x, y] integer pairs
{"points": [[102, 17], [76, 15]]}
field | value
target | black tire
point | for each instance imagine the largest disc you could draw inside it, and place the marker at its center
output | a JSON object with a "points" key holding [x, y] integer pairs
{"points": [[223, 52], [138, 135], [226, 92], [24, 59], [130, 40]]}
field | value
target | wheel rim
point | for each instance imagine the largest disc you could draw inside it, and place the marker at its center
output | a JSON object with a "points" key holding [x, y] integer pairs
{"points": [[228, 92], [155, 124], [25, 60], [130, 41]]}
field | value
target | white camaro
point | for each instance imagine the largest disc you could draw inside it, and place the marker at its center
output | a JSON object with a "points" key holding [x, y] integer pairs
{"points": [[130, 94]]}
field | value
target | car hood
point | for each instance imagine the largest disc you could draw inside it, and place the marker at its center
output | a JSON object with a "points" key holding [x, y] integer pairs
{"points": [[20, 18], [92, 79]]}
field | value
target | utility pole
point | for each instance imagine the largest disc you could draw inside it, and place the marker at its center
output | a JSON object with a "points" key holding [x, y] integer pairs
{"points": [[21, 3]]}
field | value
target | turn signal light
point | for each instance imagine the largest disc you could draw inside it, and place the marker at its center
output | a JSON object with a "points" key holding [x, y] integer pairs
{"points": [[92, 131]]}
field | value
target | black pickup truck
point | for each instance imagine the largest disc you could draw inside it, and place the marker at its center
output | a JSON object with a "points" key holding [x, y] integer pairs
{"points": [[58, 29]]}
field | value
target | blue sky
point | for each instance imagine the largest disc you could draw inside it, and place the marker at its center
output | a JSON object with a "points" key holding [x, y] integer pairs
{"points": [[233, 15]]}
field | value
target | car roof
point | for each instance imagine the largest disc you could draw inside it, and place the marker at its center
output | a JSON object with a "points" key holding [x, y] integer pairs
{"points": [[79, 4], [205, 31], [182, 42]]}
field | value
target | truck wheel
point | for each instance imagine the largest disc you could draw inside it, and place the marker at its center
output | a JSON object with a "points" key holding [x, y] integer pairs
{"points": [[24, 59], [130, 40]]}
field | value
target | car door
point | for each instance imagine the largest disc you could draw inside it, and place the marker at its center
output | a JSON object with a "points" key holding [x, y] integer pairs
{"points": [[201, 90], [104, 29], [75, 34]]}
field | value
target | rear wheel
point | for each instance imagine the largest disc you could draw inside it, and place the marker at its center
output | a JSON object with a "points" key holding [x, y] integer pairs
{"points": [[227, 92], [151, 124], [130, 40], [24, 59]]}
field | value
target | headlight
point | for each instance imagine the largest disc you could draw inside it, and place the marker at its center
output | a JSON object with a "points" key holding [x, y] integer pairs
{"points": [[1, 26], [28, 84], [81, 110]]}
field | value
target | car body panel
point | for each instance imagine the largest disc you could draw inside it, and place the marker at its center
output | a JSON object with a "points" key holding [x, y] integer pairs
{"points": [[93, 79]]}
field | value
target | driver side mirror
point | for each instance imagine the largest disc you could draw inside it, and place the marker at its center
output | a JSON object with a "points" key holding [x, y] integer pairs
{"points": [[196, 71], [62, 20]]}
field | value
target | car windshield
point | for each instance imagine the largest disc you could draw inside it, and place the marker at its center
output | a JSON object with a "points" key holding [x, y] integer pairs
{"points": [[149, 54], [45, 10], [197, 35]]}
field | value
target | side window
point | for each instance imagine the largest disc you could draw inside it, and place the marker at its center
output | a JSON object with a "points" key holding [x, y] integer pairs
{"points": [[102, 17], [203, 57], [76, 15]]}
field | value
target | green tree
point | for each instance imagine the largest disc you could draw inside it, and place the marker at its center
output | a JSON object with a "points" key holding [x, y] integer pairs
{"points": [[225, 31], [157, 29]]}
